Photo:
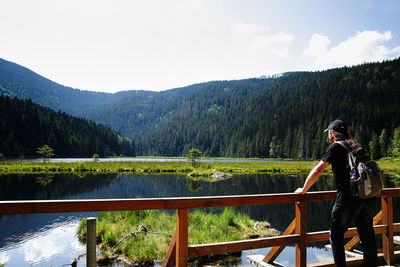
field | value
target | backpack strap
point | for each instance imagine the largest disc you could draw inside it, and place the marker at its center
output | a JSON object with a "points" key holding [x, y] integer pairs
{"points": [[344, 144], [350, 159]]}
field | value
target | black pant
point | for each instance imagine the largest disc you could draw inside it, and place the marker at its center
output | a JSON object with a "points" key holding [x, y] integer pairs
{"points": [[359, 211]]}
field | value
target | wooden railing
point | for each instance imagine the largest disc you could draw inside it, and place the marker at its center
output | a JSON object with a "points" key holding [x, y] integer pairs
{"points": [[179, 251]]}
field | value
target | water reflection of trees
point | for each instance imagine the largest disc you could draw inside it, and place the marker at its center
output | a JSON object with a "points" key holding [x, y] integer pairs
{"points": [[50, 186], [279, 215], [45, 179]]}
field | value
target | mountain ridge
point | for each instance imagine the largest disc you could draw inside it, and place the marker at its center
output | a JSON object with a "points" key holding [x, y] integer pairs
{"points": [[259, 117]]}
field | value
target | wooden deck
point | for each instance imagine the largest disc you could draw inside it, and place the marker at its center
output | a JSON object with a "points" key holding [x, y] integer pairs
{"points": [[179, 251]]}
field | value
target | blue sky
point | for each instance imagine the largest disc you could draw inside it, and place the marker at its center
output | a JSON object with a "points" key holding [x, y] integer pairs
{"points": [[156, 45]]}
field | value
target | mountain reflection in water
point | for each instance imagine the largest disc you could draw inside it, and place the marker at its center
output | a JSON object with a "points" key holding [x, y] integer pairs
{"points": [[50, 239]]}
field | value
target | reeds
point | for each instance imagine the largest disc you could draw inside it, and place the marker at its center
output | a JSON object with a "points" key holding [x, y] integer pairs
{"points": [[152, 231]]}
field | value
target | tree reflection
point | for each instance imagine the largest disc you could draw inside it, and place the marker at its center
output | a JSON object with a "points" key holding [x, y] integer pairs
{"points": [[45, 179]]}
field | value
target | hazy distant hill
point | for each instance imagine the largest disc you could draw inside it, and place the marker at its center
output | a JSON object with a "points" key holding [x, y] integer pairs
{"points": [[279, 117], [128, 112]]}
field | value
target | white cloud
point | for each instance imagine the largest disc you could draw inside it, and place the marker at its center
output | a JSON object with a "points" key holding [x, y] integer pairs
{"points": [[366, 46], [52, 242], [197, 4], [317, 45], [245, 28], [4, 257], [42, 248], [260, 43], [277, 44]]}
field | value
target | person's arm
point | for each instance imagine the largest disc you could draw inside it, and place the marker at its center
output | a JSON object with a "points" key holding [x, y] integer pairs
{"points": [[312, 177]]}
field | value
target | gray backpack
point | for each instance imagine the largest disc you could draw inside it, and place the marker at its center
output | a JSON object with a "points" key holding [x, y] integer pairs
{"points": [[366, 176]]}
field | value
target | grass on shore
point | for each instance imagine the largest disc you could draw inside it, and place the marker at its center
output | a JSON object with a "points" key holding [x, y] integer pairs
{"points": [[204, 169], [146, 247]]}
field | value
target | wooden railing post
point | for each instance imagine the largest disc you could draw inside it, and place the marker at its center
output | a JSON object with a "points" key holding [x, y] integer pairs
{"points": [[91, 242], [301, 229], [182, 222], [387, 238]]}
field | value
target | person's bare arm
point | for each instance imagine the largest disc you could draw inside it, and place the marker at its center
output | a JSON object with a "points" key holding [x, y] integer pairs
{"points": [[312, 177]]}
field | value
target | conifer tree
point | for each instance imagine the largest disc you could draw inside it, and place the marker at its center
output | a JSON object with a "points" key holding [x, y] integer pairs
{"points": [[45, 151], [374, 147], [193, 155], [2, 158], [384, 143], [396, 142]]}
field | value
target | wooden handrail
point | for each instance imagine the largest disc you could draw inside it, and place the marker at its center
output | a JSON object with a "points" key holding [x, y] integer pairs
{"points": [[179, 249], [54, 206]]}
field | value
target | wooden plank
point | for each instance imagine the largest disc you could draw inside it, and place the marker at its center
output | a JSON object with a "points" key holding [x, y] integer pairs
{"points": [[91, 242], [275, 251], [387, 238], [355, 261], [301, 229], [55, 206], [284, 240], [356, 240], [379, 229], [317, 236], [235, 246], [324, 235], [390, 192], [171, 253], [245, 200], [396, 227], [182, 237]]}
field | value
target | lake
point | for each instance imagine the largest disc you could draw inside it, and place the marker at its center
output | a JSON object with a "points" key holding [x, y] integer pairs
{"points": [[50, 239], [156, 159]]}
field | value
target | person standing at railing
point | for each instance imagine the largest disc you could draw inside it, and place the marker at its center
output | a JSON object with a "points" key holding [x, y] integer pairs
{"points": [[346, 208]]}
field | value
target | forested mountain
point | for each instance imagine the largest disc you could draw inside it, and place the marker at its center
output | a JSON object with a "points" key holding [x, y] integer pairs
{"points": [[25, 126], [126, 112], [262, 117], [281, 117]]}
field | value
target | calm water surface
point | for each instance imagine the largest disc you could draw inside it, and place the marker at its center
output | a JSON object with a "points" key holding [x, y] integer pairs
{"points": [[50, 239], [159, 159]]}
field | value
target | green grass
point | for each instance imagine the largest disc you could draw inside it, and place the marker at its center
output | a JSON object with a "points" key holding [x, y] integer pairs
{"points": [[203, 228], [202, 171], [204, 168], [389, 165]]}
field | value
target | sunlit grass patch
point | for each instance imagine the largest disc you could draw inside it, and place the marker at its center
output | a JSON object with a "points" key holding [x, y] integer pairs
{"points": [[148, 233]]}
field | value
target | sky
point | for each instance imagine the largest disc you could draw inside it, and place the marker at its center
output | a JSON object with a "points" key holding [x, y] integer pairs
{"points": [[118, 45]]}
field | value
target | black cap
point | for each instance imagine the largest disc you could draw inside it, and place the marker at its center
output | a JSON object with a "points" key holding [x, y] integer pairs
{"points": [[338, 126]]}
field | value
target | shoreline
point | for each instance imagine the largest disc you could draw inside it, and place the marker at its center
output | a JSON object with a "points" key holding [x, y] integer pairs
{"points": [[202, 169]]}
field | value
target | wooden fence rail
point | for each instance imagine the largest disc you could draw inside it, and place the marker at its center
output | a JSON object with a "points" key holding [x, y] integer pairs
{"points": [[179, 251]]}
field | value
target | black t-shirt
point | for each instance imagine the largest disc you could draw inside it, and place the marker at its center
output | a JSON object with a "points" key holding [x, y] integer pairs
{"points": [[337, 156]]}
